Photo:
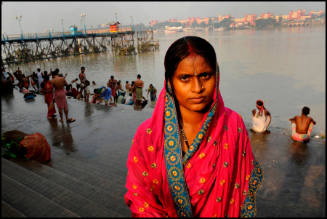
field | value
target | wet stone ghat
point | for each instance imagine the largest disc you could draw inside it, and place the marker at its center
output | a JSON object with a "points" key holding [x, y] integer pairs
{"points": [[87, 173]]}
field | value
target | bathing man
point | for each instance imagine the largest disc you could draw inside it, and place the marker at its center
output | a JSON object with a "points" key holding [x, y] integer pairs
{"points": [[302, 126], [58, 83]]}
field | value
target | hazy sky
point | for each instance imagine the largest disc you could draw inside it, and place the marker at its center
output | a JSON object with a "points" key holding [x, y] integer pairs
{"points": [[41, 16]]}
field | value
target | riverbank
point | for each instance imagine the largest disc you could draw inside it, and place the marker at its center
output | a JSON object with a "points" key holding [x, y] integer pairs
{"points": [[294, 174]]}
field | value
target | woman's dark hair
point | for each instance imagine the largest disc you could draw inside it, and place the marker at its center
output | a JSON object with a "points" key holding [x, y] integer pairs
{"points": [[182, 48]]}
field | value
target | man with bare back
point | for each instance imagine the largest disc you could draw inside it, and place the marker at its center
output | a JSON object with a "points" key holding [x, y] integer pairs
{"points": [[302, 126], [59, 83]]}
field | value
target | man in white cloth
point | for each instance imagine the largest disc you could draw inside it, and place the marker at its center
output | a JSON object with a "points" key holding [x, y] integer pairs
{"points": [[39, 77], [261, 118]]}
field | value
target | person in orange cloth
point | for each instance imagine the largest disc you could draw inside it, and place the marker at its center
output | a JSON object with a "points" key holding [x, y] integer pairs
{"points": [[48, 96], [31, 146]]}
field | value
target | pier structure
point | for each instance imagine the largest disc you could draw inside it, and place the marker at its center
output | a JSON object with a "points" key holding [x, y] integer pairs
{"points": [[145, 41], [22, 48]]}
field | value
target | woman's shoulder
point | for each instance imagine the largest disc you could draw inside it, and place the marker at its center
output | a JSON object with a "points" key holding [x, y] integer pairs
{"points": [[143, 129], [143, 137], [233, 116]]}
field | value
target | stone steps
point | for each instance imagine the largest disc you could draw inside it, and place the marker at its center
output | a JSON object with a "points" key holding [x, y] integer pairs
{"points": [[72, 196], [8, 211], [90, 173], [89, 191], [28, 201], [94, 166]]}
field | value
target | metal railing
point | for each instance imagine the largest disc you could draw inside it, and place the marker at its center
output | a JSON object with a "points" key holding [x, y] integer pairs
{"points": [[49, 35]]}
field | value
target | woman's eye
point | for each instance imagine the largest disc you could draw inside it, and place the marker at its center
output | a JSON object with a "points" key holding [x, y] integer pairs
{"points": [[205, 75], [184, 77]]}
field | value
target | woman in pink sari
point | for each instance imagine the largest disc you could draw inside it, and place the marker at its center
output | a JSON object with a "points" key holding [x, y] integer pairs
{"points": [[193, 157]]}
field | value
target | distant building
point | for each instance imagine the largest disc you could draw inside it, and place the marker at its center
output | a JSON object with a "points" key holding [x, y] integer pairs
{"points": [[293, 17], [201, 20], [285, 17], [172, 20], [266, 15], [153, 22], [316, 13], [296, 15], [220, 17], [251, 19]]}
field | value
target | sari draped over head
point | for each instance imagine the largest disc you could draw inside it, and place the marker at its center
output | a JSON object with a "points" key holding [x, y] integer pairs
{"points": [[218, 176]]}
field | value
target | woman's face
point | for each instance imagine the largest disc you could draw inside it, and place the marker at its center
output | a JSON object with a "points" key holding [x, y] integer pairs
{"points": [[194, 83]]}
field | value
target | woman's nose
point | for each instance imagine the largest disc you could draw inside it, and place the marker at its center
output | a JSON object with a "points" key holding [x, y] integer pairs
{"points": [[197, 85]]}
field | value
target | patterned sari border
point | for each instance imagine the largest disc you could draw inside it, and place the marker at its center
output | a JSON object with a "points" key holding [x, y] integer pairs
{"points": [[200, 136], [248, 208], [173, 160]]}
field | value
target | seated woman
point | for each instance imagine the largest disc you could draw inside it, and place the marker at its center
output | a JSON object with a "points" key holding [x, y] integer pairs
{"points": [[96, 95], [261, 118], [121, 96], [130, 100], [302, 126], [193, 157], [105, 95]]}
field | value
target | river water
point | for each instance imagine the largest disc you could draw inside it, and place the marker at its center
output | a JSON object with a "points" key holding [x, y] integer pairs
{"points": [[284, 67]]}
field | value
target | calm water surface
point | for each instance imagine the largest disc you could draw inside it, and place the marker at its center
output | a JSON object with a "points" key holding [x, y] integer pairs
{"points": [[286, 68]]}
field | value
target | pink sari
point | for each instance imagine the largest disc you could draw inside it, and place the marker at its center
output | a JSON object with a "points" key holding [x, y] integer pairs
{"points": [[217, 177]]}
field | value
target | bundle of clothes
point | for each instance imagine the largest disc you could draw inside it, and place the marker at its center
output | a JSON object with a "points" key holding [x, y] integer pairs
{"points": [[34, 146]]}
